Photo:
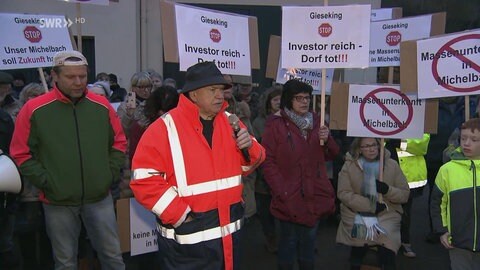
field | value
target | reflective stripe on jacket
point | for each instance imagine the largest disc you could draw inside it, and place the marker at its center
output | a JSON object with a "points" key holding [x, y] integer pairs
{"points": [[175, 172], [455, 203], [412, 161]]}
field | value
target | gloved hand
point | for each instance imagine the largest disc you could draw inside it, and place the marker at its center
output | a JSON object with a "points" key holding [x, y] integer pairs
{"points": [[381, 187], [379, 208]]}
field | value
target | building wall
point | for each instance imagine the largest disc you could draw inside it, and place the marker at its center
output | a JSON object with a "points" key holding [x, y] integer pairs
{"points": [[120, 47], [114, 28]]}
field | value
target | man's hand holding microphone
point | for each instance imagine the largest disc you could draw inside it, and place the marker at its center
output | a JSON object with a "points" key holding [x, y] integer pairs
{"points": [[241, 136]]}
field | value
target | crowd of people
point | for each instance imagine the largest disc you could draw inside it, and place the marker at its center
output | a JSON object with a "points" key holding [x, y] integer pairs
{"points": [[206, 159]]}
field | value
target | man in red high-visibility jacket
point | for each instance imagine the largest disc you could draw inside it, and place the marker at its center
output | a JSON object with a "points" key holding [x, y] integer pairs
{"points": [[187, 170]]}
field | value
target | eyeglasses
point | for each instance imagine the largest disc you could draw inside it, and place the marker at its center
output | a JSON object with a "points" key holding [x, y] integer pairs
{"points": [[302, 98], [367, 146]]}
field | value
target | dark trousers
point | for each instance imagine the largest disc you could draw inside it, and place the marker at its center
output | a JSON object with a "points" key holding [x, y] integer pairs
{"points": [[263, 210], [296, 242], [385, 257], [32, 236], [432, 170]]}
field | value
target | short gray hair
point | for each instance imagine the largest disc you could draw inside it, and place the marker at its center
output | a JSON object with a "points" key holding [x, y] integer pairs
{"points": [[31, 90]]}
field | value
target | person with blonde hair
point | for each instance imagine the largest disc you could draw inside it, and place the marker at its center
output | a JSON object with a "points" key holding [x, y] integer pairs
{"points": [[141, 87], [367, 220]]}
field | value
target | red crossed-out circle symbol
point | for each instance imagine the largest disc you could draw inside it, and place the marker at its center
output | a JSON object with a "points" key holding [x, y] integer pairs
{"points": [[448, 49], [325, 30], [32, 34], [401, 126], [393, 38], [215, 35]]}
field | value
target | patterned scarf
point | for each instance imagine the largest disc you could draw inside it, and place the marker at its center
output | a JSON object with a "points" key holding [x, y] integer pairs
{"points": [[304, 123], [369, 187], [365, 225]]}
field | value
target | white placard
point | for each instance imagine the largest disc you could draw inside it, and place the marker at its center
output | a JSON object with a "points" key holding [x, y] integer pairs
{"points": [[449, 65], [384, 112], [381, 14], [385, 38], [94, 2], [205, 35], [312, 77], [30, 41], [143, 230], [325, 37]]}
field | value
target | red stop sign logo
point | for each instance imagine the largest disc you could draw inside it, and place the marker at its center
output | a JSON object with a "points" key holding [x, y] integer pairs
{"points": [[393, 38], [32, 34], [325, 30], [215, 35]]}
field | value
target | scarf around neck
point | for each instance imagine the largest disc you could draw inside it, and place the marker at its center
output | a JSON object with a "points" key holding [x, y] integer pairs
{"points": [[304, 123], [365, 225], [370, 174]]}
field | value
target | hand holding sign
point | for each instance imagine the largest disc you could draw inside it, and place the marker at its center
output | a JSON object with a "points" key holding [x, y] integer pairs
{"points": [[323, 133]]}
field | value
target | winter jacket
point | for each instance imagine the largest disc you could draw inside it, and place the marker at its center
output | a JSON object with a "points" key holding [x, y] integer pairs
{"points": [[349, 192], [455, 205], [412, 161], [71, 152], [11, 105], [176, 172], [127, 119], [295, 171], [6, 130]]}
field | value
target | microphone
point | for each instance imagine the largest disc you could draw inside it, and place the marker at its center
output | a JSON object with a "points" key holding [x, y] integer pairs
{"points": [[233, 119]]}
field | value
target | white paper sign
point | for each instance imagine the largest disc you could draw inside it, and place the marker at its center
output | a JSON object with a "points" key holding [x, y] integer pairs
{"points": [[143, 230], [325, 37], [312, 77], [381, 14], [94, 2], [449, 65], [385, 38], [30, 41], [384, 112], [205, 35]]}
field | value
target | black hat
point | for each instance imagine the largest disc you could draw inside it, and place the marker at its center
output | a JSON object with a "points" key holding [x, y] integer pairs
{"points": [[201, 75], [5, 78]]}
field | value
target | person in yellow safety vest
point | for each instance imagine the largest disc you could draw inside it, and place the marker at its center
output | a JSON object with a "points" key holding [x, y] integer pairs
{"points": [[412, 162]]}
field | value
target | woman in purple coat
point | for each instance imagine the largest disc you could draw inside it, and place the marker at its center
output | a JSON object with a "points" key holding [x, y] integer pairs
{"points": [[295, 170]]}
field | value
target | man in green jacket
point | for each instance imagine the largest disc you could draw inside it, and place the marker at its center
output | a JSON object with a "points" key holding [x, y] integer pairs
{"points": [[69, 143], [455, 199]]}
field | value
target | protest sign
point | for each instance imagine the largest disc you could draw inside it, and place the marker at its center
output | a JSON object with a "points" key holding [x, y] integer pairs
{"points": [[30, 41], [441, 66], [143, 230], [205, 35], [381, 14], [385, 37], [325, 37], [340, 103], [312, 77], [384, 111]]}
